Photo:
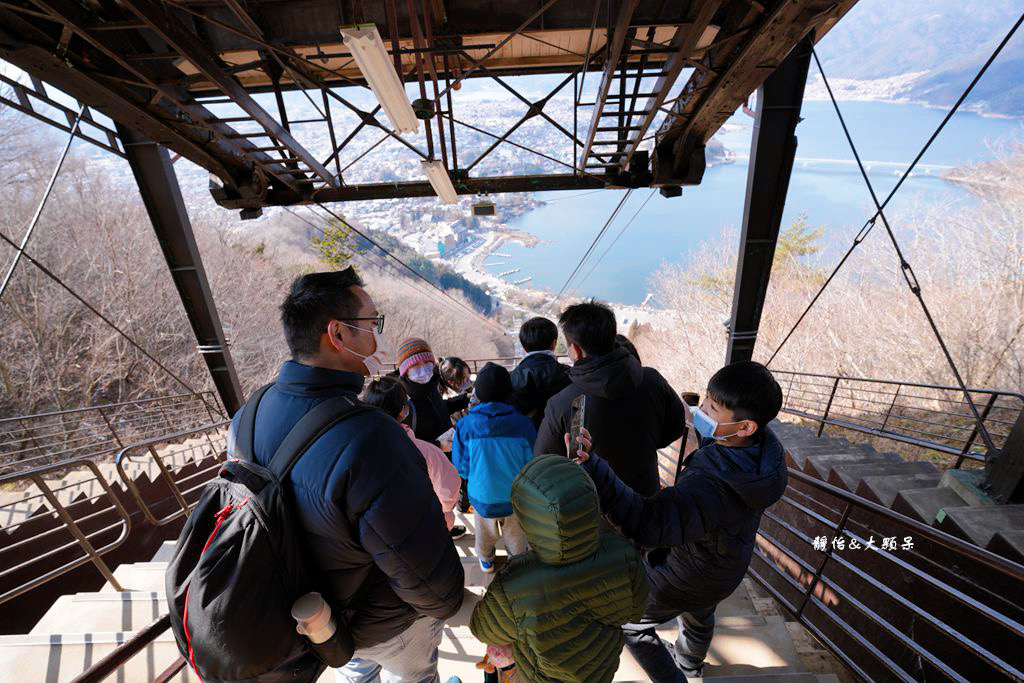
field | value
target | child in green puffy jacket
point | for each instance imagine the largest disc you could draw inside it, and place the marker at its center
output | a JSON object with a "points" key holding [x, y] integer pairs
{"points": [[562, 604]]}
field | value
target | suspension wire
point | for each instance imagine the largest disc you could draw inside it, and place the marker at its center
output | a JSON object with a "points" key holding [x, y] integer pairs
{"points": [[402, 263], [621, 232], [572, 196], [907, 270], [379, 261], [412, 270], [870, 223], [42, 203], [600, 234], [48, 273]]}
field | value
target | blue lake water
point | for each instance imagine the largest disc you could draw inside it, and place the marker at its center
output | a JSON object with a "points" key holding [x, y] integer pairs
{"points": [[831, 196]]}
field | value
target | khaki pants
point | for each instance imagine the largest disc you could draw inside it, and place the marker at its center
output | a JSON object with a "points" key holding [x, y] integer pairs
{"points": [[488, 531]]}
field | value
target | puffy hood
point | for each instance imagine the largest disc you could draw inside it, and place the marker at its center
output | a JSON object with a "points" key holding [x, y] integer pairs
{"points": [[557, 506], [756, 473], [613, 375]]}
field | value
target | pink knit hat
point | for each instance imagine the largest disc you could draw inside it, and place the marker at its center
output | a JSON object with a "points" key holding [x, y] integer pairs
{"points": [[413, 351]]}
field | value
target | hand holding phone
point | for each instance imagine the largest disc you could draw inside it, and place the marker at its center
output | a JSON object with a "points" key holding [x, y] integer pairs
{"points": [[579, 413]]}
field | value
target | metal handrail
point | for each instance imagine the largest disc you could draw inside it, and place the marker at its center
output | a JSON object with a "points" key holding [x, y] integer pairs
{"points": [[94, 431], [71, 411], [184, 508], [814, 587], [839, 401], [69, 523], [476, 363]]}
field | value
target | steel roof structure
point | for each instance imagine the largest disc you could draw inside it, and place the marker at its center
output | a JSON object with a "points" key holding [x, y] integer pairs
{"points": [[162, 68]]}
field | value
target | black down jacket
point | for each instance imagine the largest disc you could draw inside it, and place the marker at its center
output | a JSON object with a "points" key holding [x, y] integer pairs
{"points": [[707, 521], [433, 413], [371, 523], [631, 413], [535, 380]]}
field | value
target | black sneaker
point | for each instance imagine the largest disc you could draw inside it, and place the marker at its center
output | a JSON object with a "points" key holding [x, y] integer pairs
{"points": [[458, 531]]}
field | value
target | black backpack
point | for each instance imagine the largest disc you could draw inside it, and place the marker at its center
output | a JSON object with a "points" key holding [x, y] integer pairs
{"points": [[239, 565]]}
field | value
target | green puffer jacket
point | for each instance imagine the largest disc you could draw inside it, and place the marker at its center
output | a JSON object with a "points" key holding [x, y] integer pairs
{"points": [[562, 604]]}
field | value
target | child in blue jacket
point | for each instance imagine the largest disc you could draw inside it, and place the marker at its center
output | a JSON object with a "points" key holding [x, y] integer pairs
{"points": [[491, 445]]}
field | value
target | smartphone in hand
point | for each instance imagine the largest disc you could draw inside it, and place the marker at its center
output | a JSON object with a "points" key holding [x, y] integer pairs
{"points": [[579, 409]]}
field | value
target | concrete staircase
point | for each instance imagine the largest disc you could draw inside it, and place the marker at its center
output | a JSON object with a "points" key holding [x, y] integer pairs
{"points": [[948, 500], [753, 642]]}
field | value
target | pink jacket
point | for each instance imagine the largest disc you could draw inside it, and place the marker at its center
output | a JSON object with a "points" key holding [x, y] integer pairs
{"points": [[443, 475]]}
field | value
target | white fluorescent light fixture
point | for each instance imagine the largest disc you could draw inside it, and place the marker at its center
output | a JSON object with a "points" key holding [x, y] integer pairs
{"points": [[437, 174], [379, 71]]}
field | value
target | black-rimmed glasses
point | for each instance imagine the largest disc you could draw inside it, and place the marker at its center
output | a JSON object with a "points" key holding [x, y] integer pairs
{"points": [[379, 320]]}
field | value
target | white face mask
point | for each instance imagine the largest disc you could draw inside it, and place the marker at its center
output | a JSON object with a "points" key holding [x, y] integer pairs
{"points": [[422, 374], [374, 363]]}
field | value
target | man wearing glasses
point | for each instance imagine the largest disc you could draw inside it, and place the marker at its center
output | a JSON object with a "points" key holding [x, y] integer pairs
{"points": [[375, 532]]}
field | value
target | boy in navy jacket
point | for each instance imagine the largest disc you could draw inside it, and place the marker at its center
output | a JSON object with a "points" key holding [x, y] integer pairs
{"points": [[491, 445], [702, 529]]}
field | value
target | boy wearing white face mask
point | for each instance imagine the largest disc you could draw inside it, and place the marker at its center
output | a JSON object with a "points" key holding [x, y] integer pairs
{"points": [[417, 368], [702, 529]]}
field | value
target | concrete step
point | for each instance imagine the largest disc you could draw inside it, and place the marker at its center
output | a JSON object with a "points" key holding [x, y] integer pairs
{"points": [[799, 454], [883, 489], [61, 657], [820, 465], [849, 476], [1009, 544], [924, 504], [139, 576], [164, 552], [979, 524], [127, 611]]}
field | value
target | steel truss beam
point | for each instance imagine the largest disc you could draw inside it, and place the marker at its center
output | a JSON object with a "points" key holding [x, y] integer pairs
{"points": [[161, 194], [491, 185], [772, 151]]}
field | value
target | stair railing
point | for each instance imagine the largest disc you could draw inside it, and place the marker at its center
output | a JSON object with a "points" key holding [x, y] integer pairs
{"points": [[48, 511], [929, 416], [29, 441], [915, 604], [184, 488]]}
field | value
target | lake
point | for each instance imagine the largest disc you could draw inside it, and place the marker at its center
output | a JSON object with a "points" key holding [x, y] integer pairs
{"points": [[832, 196]]}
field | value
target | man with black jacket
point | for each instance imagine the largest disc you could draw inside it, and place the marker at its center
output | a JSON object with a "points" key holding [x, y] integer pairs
{"points": [[539, 376], [372, 526], [631, 410]]}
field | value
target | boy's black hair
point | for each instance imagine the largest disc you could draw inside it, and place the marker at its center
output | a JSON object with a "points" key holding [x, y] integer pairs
{"points": [[451, 368], [749, 390], [622, 342], [538, 334], [388, 394], [315, 300], [590, 325]]}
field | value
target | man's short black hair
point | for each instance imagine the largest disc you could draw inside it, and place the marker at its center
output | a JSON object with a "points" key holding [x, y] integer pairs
{"points": [[315, 300], [388, 394], [749, 390], [590, 325], [538, 334]]}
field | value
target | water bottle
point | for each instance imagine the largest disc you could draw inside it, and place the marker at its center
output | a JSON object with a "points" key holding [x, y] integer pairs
{"points": [[313, 619]]}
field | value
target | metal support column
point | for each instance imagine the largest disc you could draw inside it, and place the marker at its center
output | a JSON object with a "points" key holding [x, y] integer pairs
{"points": [[161, 194], [772, 150]]}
